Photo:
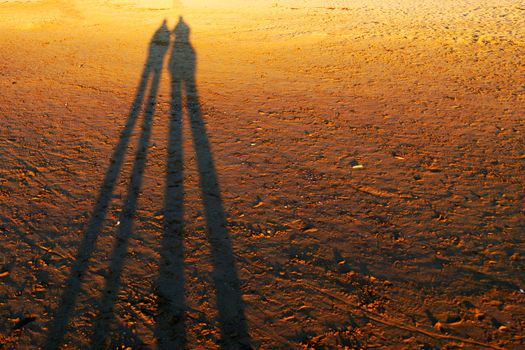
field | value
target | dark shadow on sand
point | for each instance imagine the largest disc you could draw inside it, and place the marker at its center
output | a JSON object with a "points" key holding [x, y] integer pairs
{"points": [[170, 329], [58, 326], [170, 323]]}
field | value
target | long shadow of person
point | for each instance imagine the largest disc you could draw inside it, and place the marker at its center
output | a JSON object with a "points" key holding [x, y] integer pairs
{"points": [[58, 326], [170, 323]]}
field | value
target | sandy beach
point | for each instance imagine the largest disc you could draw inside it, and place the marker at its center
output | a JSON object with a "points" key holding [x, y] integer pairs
{"points": [[287, 174]]}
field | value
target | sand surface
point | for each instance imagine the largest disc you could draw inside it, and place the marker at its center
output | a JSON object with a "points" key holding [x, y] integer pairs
{"points": [[267, 174]]}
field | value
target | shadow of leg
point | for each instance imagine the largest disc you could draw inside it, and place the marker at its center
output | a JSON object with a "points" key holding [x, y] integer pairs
{"points": [[170, 330], [234, 330]]}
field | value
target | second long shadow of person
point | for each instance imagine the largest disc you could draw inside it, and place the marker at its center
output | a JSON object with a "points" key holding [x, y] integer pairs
{"points": [[170, 328], [73, 285]]}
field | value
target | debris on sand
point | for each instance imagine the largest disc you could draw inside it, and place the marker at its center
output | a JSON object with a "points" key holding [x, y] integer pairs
{"points": [[23, 322]]}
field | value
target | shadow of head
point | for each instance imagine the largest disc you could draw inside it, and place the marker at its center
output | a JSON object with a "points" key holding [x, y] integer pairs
{"points": [[182, 31], [162, 35]]}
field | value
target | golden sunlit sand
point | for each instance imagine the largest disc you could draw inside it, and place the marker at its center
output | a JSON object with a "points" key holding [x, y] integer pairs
{"points": [[282, 174]]}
